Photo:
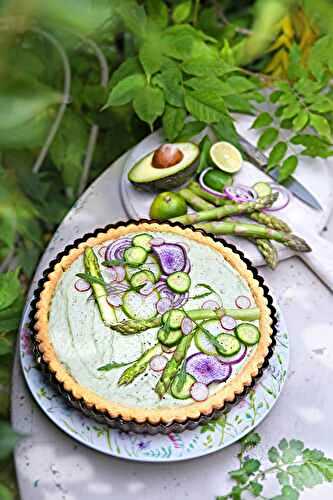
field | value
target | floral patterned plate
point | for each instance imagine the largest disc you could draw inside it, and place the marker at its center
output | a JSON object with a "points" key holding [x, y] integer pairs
{"points": [[205, 439]]}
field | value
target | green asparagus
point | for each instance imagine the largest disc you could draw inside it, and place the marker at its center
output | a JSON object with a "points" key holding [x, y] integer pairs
{"points": [[173, 365], [268, 251], [195, 201], [139, 366], [227, 210], [255, 231], [92, 267], [197, 189], [270, 221], [131, 327]]}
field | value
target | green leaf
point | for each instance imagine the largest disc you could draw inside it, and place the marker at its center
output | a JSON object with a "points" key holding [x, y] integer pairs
{"points": [[273, 455], [125, 90], [173, 122], [133, 16], [255, 488], [182, 11], [283, 478], [241, 84], [10, 289], [170, 81], [205, 106], [149, 104], [206, 67], [8, 440], [321, 125], [267, 138], [296, 445], [129, 67], [262, 120], [111, 366], [250, 440], [150, 55], [301, 120], [189, 130], [238, 104], [157, 12], [210, 84], [288, 493], [290, 111], [251, 465], [276, 155], [275, 96], [5, 493], [287, 169], [226, 131], [91, 279], [321, 104]]}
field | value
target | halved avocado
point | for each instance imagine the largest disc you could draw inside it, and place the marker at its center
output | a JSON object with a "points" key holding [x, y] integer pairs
{"points": [[146, 176]]}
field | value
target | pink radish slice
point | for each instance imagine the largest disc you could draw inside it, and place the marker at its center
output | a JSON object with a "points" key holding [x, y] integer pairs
{"points": [[211, 304], [163, 305], [112, 273], [147, 288], [242, 302], [180, 299], [81, 285], [172, 257], [116, 249], [101, 252], [158, 363], [207, 369], [237, 358], [120, 273], [199, 391], [114, 300], [156, 242], [228, 323], [187, 326]]}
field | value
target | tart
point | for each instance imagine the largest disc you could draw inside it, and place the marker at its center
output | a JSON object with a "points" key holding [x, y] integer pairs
{"points": [[150, 326]]}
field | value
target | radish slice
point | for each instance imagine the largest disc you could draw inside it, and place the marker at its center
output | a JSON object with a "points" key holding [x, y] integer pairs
{"points": [[207, 188], [187, 326], [158, 363], [180, 299], [210, 304], [163, 305], [157, 242], [171, 256], [168, 350], [237, 358], [199, 391], [228, 323], [116, 249], [240, 193], [120, 273], [207, 369], [283, 199], [114, 300], [81, 285], [147, 288], [102, 251], [112, 273], [242, 302]]}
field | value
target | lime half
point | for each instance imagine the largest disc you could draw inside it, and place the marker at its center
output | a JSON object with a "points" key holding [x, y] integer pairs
{"points": [[226, 157]]}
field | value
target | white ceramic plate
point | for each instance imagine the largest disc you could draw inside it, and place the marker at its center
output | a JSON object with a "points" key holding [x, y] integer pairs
{"points": [[206, 439]]}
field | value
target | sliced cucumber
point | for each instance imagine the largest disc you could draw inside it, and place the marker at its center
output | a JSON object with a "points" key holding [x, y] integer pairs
{"points": [[228, 344], [201, 340], [137, 306], [248, 334], [262, 189], [173, 318], [135, 256], [141, 278], [170, 338], [181, 389], [143, 240], [179, 282], [151, 264]]}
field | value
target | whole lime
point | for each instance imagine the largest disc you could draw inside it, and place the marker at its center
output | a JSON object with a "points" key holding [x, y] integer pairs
{"points": [[167, 205]]}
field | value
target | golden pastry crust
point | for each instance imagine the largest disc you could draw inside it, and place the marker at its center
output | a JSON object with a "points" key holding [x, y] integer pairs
{"points": [[155, 415]]}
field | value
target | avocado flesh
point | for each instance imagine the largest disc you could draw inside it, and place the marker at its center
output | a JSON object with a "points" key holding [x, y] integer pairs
{"points": [[148, 178]]}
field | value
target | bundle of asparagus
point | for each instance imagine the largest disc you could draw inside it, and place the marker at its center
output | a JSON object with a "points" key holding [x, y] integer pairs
{"points": [[213, 215]]}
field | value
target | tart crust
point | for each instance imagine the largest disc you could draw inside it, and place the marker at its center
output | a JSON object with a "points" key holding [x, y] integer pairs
{"points": [[154, 416]]}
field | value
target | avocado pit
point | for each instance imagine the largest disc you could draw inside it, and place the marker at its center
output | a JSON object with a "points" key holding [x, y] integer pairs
{"points": [[167, 155]]}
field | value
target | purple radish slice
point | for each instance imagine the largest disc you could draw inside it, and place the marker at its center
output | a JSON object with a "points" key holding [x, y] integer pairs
{"points": [[199, 391], [171, 256], [112, 273], [180, 299], [207, 369], [228, 323], [158, 363], [116, 249], [210, 304], [81, 285], [163, 305], [157, 242], [242, 302], [101, 252], [147, 288], [237, 358], [120, 273], [187, 326], [283, 199], [114, 300]]}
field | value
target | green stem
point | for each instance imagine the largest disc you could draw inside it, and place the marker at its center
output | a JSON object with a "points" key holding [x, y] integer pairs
{"points": [[195, 201]]}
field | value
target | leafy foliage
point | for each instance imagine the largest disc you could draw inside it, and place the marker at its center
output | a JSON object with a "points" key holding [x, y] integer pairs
{"points": [[294, 466]]}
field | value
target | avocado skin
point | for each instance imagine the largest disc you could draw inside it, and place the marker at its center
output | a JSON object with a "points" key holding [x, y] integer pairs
{"points": [[167, 183]]}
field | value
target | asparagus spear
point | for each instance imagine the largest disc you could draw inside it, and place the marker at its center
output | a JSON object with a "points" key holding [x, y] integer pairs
{"points": [[130, 327], [172, 365], [227, 210], [197, 189], [268, 251], [92, 267], [256, 231], [139, 366], [270, 221], [195, 201]]}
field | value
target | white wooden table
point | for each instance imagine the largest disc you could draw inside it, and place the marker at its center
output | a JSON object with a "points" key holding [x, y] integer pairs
{"points": [[50, 465]]}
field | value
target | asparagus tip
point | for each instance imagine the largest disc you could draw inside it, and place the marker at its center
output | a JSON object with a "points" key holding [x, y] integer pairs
{"points": [[298, 244]]}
